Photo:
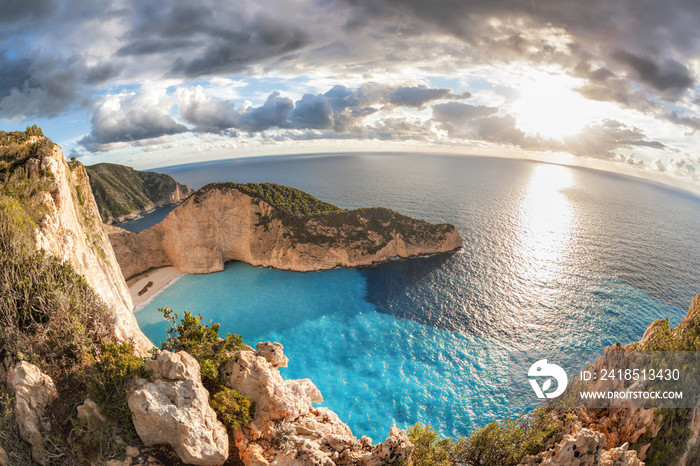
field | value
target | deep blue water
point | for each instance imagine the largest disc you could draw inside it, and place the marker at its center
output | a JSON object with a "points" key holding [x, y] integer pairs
{"points": [[562, 261], [146, 221]]}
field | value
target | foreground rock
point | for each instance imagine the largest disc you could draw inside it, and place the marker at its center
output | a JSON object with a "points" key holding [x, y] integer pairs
{"points": [[174, 409], [34, 391], [288, 430], [222, 223]]}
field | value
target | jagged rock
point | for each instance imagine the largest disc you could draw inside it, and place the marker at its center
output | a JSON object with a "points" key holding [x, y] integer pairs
{"points": [[287, 430], [395, 449], [620, 456], [34, 391], [254, 376], [584, 447], [174, 409], [273, 353]]}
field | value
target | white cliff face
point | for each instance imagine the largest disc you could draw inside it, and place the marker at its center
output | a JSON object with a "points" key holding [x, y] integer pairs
{"points": [[288, 429], [217, 226], [73, 232]]}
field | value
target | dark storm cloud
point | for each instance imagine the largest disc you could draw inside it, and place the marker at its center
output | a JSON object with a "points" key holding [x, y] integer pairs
{"points": [[18, 11], [650, 43], [691, 122], [209, 38], [31, 88], [667, 76], [155, 46], [128, 120], [416, 96]]}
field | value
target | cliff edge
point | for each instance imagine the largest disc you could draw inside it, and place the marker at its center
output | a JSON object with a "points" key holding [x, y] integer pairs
{"points": [[274, 226], [71, 230]]}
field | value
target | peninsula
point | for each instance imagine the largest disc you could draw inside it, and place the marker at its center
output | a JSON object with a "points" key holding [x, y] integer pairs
{"points": [[275, 226], [123, 193]]}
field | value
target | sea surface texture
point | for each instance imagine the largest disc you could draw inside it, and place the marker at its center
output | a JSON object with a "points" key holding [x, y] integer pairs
{"points": [[557, 260]]}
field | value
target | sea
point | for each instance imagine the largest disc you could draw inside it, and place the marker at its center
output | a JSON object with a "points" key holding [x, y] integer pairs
{"points": [[558, 262]]}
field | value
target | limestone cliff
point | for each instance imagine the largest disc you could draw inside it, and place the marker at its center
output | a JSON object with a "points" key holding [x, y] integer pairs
{"points": [[123, 193], [222, 223], [72, 231]]}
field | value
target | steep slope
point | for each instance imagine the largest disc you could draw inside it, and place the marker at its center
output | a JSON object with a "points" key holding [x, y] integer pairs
{"points": [[71, 231], [225, 222], [123, 193]]}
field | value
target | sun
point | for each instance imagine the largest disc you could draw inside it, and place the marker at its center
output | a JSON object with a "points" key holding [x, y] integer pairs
{"points": [[549, 106]]}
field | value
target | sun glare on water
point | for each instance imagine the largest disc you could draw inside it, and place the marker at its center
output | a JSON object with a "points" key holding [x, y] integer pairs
{"points": [[549, 106]]}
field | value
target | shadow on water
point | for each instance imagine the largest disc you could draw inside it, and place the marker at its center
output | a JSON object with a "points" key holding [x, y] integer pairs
{"points": [[418, 289]]}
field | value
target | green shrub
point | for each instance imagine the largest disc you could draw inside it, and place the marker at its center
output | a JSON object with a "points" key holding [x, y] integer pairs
{"points": [[232, 408], [502, 443], [109, 379], [430, 449], [203, 343]]}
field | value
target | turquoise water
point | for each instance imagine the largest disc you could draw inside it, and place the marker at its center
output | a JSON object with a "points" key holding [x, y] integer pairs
{"points": [[560, 260]]}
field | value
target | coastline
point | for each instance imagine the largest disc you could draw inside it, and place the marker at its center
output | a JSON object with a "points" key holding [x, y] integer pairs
{"points": [[161, 278]]}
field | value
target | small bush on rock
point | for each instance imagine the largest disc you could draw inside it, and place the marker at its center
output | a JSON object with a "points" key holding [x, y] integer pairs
{"points": [[202, 341], [232, 408], [502, 443], [109, 379]]}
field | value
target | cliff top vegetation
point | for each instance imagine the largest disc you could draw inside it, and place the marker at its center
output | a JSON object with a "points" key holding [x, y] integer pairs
{"points": [[288, 201]]}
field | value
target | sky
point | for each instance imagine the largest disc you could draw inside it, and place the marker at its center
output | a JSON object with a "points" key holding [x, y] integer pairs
{"points": [[609, 84]]}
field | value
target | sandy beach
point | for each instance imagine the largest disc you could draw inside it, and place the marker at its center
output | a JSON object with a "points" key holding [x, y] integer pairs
{"points": [[160, 278]]}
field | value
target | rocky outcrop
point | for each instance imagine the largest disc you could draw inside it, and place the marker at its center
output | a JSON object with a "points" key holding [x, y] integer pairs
{"points": [[288, 429], [621, 429], [223, 224], [174, 409], [72, 231], [584, 447], [123, 193], [33, 392]]}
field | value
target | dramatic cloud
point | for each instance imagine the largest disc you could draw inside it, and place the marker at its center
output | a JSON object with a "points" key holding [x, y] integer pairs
{"points": [[668, 77], [130, 118], [602, 139], [359, 69]]}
